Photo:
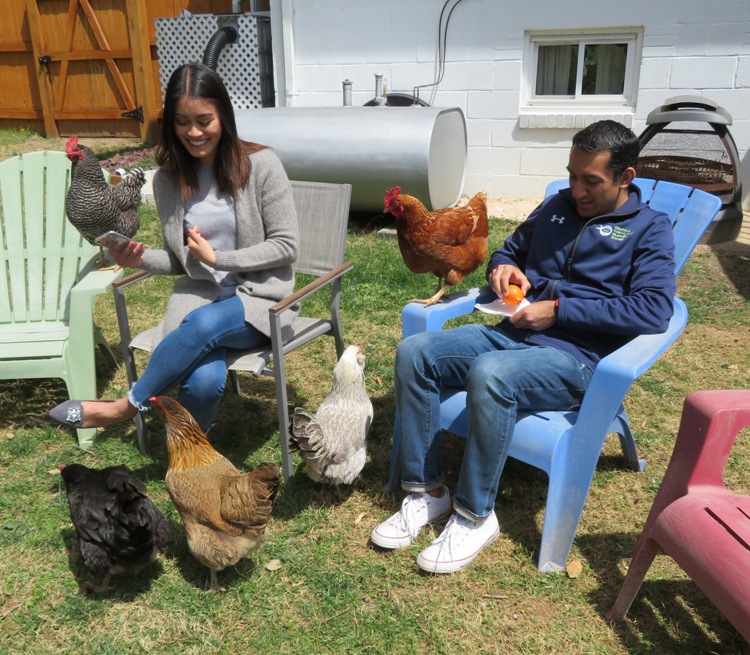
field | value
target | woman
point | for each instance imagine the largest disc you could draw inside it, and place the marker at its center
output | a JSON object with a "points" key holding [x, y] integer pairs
{"points": [[230, 231]]}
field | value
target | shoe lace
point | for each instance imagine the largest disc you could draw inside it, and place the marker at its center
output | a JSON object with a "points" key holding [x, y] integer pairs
{"points": [[407, 518], [453, 535]]}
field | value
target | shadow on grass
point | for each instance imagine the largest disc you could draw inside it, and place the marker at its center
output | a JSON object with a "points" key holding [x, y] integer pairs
{"points": [[125, 588], [24, 403], [667, 616], [734, 259]]}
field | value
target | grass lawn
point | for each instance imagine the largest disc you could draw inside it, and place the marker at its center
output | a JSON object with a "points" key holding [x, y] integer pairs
{"points": [[333, 592]]}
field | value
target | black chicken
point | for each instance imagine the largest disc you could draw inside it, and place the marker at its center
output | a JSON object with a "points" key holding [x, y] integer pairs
{"points": [[119, 529], [93, 205]]}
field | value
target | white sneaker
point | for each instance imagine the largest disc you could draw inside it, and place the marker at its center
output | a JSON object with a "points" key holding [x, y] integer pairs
{"points": [[459, 543], [416, 511]]}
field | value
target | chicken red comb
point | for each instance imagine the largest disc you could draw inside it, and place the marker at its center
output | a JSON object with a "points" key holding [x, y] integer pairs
{"points": [[392, 192], [72, 143]]}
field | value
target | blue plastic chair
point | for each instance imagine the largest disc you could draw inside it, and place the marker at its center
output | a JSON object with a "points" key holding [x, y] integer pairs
{"points": [[566, 445]]}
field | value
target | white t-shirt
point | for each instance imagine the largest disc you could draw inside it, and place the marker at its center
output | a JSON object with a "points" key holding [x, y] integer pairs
{"points": [[213, 213]]}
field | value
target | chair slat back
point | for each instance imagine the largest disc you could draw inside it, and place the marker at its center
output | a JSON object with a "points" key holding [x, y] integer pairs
{"points": [[692, 223], [323, 213], [40, 250]]}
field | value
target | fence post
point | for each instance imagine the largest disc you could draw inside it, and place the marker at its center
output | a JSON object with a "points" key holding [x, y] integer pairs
{"points": [[143, 70], [42, 73]]}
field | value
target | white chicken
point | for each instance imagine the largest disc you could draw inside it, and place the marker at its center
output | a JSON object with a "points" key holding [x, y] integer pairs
{"points": [[333, 440]]}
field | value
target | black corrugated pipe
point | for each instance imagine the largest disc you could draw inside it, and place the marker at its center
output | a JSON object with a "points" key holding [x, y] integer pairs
{"points": [[215, 44]]}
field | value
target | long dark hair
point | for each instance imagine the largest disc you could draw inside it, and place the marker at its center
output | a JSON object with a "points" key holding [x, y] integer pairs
{"points": [[231, 165], [613, 137]]}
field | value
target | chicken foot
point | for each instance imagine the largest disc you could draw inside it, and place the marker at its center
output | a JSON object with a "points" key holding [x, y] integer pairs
{"points": [[433, 300], [102, 588], [215, 586], [99, 264]]}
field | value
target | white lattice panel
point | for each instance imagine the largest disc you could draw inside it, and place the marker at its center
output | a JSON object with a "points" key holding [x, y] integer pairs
{"points": [[184, 39]]}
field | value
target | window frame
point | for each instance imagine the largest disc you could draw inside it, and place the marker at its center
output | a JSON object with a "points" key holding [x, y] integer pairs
{"points": [[632, 36]]}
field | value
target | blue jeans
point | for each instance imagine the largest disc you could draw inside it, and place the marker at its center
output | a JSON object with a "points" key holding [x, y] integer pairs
{"points": [[501, 377], [194, 356]]}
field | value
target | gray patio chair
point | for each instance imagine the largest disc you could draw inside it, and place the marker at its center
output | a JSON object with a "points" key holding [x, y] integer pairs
{"points": [[322, 212]]}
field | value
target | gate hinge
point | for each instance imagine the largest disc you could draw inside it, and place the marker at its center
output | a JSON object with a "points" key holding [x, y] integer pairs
{"points": [[136, 113]]}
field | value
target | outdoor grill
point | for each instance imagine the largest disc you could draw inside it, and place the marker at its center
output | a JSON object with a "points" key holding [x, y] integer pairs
{"points": [[687, 141]]}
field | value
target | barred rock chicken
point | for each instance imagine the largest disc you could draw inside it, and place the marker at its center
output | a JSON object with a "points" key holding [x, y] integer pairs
{"points": [[225, 512], [332, 441], [119, 529], [93, 205], [449, 243]]}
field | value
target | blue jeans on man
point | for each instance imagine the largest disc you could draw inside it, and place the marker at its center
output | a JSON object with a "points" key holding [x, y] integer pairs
{"points": [[501, 377]]}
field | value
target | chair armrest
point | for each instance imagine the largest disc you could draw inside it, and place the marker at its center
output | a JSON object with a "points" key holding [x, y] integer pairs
{"points": [[615, 373], [95, 282], [125, 282], [637, 356], [311, 288], [417, 318]]}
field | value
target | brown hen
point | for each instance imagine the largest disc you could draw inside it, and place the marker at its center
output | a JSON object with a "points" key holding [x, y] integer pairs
{"points": [[225, 512], [449, 243]]}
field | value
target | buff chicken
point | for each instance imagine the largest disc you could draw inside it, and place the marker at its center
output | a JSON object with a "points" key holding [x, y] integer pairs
{"points": [[225, 512], [332, 441], [93, 205], [449, 243], [119, 528]]}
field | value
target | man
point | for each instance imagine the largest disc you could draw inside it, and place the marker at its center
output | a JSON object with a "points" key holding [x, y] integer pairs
{"points": [[598, 267]]}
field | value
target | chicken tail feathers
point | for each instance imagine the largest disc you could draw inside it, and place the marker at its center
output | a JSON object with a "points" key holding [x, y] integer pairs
{"points": [[305, 434], [248, 499]]}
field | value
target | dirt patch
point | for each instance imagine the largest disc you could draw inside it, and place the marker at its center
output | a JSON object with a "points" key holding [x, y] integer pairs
{"points": [[514, 209], [100, 145]]}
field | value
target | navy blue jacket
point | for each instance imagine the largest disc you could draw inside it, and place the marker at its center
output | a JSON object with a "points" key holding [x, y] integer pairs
{"points": [[613, 274]]}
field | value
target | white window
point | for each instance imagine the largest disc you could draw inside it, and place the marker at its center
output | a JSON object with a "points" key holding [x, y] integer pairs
{"points": [[581, 73]]}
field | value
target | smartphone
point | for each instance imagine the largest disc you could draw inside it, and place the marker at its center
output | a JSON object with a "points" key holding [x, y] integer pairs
{"points": [[111, 238]]}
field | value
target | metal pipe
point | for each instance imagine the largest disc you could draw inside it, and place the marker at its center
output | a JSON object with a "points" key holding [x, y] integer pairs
{"points": [[379, 97]]}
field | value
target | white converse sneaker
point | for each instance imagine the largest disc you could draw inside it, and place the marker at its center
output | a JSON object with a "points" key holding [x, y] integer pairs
{"points": [[416, 511], [459, 543]]}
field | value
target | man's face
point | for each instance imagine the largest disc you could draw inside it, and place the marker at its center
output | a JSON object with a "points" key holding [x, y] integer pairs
{"points": [[594, 188]]}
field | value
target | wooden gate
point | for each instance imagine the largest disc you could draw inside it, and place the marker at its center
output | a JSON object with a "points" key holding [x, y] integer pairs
{"points": [[94, 67]]}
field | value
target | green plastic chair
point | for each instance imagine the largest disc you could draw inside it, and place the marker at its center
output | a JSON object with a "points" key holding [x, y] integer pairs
{"points": [[48, 284]]}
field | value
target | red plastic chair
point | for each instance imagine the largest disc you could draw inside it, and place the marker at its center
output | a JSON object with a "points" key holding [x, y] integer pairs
{"points": [[695, 519]]}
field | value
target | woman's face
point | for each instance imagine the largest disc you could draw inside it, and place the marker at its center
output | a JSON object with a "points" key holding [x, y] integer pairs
{"points": [[197, 126]]}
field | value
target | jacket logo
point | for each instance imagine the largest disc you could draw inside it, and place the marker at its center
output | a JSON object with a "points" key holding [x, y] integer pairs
{"points": [[616, 233], [557, 219]]}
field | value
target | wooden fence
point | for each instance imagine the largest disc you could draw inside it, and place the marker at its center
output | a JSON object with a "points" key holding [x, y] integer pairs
{"points": [[85, 67]]}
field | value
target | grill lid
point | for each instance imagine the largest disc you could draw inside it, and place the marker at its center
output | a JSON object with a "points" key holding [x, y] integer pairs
{"points": [[689, 108]]}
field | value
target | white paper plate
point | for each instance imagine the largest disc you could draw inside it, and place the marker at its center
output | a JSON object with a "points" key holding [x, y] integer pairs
{"points": [[499, 307]]}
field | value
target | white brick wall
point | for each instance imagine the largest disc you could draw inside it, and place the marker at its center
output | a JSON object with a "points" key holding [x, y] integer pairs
{"points": [[689, 47]]}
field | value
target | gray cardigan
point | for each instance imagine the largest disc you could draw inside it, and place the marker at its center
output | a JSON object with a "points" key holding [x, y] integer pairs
{"points": [[267, 240]]}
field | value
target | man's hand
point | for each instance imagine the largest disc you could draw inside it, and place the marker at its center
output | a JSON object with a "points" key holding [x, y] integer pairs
{"points": [[200, 248], [505, 274], [537, 316]]}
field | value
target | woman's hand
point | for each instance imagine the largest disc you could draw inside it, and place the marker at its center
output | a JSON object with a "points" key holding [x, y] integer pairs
{"points": [[200, 248], [128, 255]]}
